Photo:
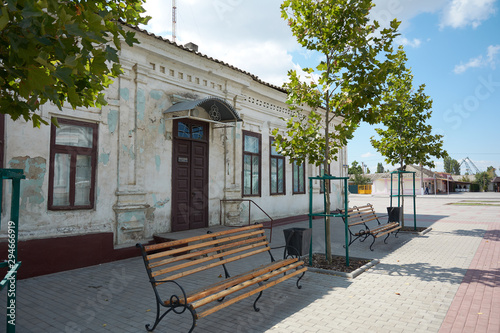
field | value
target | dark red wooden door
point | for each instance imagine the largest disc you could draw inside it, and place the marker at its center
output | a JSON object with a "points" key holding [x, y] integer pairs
{"points": [[190, 178]]}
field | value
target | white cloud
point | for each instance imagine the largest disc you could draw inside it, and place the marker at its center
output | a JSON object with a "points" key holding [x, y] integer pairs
{"points": [[491, 54], [415, 42], [368, 154], [461, 13], [404, 10], [454, 13], [480, 61], [252, 36], [249, 35]]}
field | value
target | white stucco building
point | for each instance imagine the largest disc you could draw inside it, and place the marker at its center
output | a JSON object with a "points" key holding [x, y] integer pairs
{"points": [[180, 133]]}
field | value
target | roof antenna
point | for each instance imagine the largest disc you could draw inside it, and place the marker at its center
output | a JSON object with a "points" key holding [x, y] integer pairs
{"points": [[174, 20]]}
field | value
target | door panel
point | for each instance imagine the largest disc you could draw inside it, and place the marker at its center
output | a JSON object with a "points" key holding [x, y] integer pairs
{"points": [[199, 185], [181, 186], [189, 184]]}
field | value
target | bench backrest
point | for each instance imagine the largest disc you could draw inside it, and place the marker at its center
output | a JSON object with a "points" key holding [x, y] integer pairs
{"points": [[360, 214], [178, 258]]}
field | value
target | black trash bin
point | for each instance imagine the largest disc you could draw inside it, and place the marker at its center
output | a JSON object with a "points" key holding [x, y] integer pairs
{"points": [[394, 214], [298, 241]]}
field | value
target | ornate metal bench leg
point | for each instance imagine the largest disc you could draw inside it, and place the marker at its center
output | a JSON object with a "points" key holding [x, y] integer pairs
{"points": [[255, 303], [386, 237], [363, 235], [158, 318], [372, 243], [194, 319], [397, 232], [298, 280]]}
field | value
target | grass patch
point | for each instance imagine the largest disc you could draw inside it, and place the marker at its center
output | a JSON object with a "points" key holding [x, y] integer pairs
{"points": [[475, 203]]}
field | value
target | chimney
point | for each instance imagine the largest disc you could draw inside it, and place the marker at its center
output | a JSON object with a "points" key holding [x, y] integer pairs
{"points": [[191, 46]]}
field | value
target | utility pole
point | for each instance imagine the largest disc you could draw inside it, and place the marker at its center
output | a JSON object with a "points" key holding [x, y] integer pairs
{"points": [[174, 20]]}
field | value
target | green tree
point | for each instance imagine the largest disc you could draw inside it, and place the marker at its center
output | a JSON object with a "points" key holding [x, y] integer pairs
{"points": [[451, 166], [380, 168], [407, 138], [491, 171], [464, 179], [483, 179], [350, 78], [61, 52], [355, 168], [359, 179]]}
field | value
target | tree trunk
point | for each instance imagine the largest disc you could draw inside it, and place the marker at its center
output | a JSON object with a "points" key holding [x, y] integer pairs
{"points": [[327, 221], [401, 210], [328, 245]]}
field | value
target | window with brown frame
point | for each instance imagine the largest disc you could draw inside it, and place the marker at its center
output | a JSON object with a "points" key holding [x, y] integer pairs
{"points": [[299, 178], [73, 162], [251, 163], [276, 170]]}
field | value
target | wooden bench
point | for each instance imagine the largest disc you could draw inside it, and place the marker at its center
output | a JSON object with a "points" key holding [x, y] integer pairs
{"points": [[168, 263], [358, 216]]}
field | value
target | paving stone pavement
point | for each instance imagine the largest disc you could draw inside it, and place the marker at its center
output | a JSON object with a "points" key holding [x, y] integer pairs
{"points": [[447, 280]]}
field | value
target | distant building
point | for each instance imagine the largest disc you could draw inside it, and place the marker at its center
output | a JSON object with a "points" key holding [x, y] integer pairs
{"points": [[495, 184], [435, 182]]}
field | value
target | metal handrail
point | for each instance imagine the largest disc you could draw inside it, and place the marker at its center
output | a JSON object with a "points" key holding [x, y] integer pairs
{"points": [[249, 211]]}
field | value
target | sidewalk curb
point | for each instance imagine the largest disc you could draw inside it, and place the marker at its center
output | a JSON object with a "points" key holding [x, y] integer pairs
{"points": [[351, 275], [418, 233]]}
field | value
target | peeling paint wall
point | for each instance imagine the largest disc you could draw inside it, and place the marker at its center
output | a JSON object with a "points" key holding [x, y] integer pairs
{"points": [[134, 169], [31, 188]]}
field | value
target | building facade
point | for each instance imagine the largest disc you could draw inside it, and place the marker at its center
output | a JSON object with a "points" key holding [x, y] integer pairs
{"points": [[185, 142]]}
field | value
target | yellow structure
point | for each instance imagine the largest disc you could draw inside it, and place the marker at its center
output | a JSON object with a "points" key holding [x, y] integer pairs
{"points": [[364, 189]]}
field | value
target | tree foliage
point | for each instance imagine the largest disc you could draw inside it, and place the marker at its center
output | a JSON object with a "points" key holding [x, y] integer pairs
{"points": [[491, 171], [61, 52], [483, 179], [451, 166], [464, 179], [355, 168], [407, 138], [345, 85], [360, 179], [380, 168], [349, 79]]}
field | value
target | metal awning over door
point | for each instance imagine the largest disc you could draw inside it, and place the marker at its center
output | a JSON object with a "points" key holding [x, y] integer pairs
{"points": [[217, 109]]}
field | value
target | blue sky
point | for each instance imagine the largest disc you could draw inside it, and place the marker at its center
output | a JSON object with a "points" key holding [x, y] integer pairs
{"points": [[453, 47]]}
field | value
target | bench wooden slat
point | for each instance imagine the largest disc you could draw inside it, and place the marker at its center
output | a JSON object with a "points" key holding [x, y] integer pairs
{"points": [[201, 245], [384, 227], [207, 259], [249, 281], [154, 247], [215, 264], [370, 219], [250, 293], [356, 223], [361, 215], [221, 285], [206, 251], [169, 262], [387, 231], [365, 209]]}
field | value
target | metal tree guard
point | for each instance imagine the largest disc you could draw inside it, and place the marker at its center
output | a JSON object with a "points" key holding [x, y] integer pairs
{"points": [[13, 265], [399, 195], [311, 215]]}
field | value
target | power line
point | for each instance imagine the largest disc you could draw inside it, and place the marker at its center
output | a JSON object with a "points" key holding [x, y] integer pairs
{"points": [[477, 153]]}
